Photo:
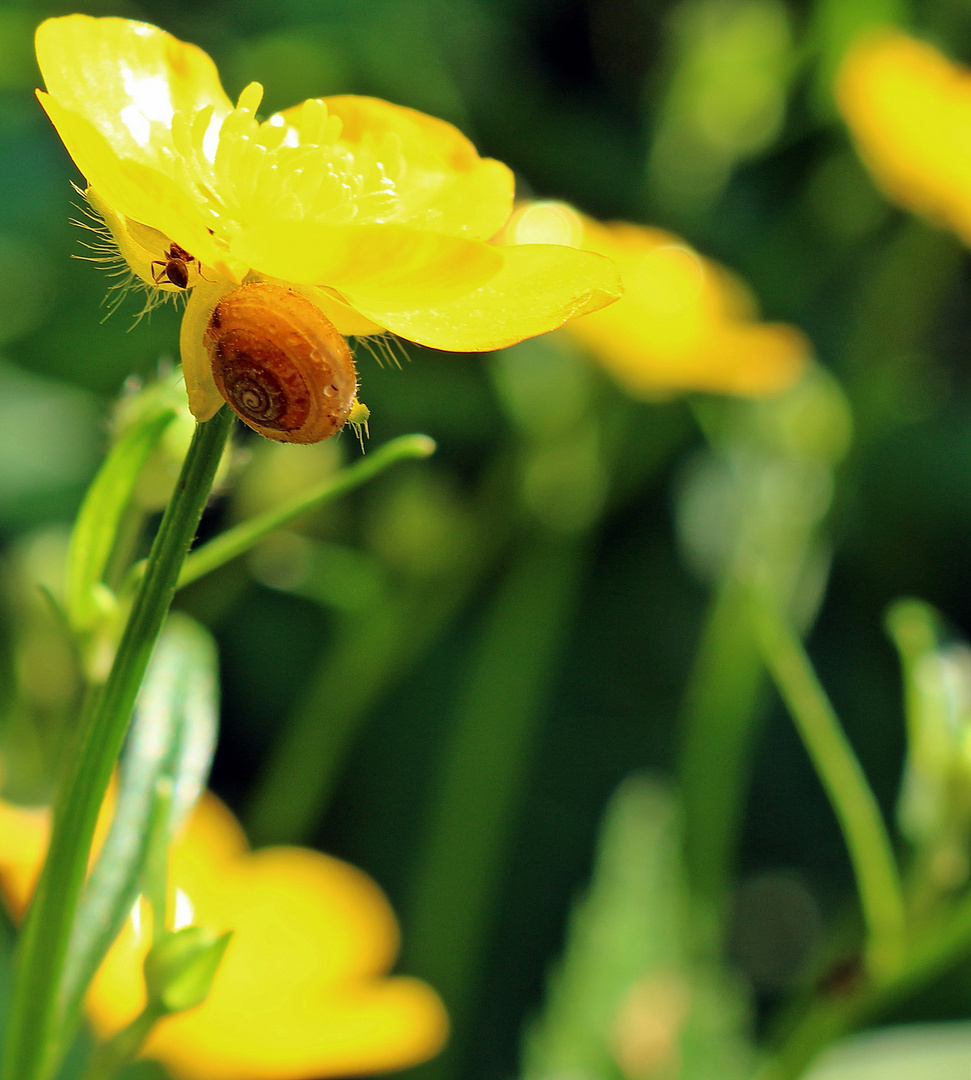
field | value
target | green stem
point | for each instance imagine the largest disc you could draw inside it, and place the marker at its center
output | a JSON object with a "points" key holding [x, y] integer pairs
{"points": [[111, 1057], [155, 877], [482, 775], [836, 1014], [719, 722], [852, 799], [36, 1020], [242, 537], [101, 527], [825, 1021]]}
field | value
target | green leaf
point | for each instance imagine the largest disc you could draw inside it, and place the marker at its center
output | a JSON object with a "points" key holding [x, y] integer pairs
{"points": [[163, 771], [630, 999], [99, 521]]}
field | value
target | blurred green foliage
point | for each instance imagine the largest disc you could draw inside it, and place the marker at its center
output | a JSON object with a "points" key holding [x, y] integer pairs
{"points": [[355, 647], [629, 997]]}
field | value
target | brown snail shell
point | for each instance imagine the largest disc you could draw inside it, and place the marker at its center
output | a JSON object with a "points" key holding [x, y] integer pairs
{"points": [[280, 363]]}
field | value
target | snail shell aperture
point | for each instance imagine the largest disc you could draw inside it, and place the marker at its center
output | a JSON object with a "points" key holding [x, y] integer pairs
{"points": [[280, 363]]}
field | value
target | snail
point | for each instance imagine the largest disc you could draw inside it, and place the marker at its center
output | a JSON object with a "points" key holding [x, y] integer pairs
{"points": [[280, 363]]}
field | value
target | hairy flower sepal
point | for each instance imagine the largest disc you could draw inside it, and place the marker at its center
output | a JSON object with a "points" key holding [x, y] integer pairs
{"points": [[143, 249], [383, 212]]}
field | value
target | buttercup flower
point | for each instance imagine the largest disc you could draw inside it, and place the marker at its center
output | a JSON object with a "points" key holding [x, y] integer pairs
{"points": [[684, 322], [377, 215], [909, 109], [302, 990]]}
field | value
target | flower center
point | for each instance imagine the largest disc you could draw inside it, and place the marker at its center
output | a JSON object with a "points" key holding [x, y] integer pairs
{"points": [[292, 167]]}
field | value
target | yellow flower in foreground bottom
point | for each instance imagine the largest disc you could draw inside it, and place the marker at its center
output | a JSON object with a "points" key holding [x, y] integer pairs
{"points": [[909, 109], [377, 215], [684, 323], [301, 991]]}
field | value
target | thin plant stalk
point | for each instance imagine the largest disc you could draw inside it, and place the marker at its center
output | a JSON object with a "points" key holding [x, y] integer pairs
{"points": [[241, 538], [481, 779], [719, 723], [373, 649], [111, 1057], [852, 799], [35, 1017], [836, 1013]]}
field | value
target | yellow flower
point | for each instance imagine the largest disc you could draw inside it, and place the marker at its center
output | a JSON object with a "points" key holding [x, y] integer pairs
{"points": [[684, 322], [378, 214], [302, 990], [909, 109]]}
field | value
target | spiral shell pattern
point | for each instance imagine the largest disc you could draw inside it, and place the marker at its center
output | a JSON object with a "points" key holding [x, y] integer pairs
{"points": [[280, 363]]}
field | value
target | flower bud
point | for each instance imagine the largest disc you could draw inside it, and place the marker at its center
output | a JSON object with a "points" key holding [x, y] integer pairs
{"points": [[180, 967]]}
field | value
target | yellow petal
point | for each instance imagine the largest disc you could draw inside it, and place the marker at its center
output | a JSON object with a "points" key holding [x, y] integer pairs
{"points": [[749, 360], [24, 834], [346, 320], [475, 204], [361, 1028], [127, 79], [204, 399], [684, 322], [328, 919], [389, 265], [425, 140], [132, 189], [538, 288], [909, 109], [300, 992], [444, 187], [139, 245], [544, 222]]}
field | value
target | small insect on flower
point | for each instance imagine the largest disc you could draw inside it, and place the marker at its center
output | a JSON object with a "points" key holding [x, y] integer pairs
{"points": [[174, 267]]}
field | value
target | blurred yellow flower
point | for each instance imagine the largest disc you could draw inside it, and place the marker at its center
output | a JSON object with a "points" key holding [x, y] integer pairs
{"points": [[909, 109], [377, 213], [684, 322], [302, 990]]}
